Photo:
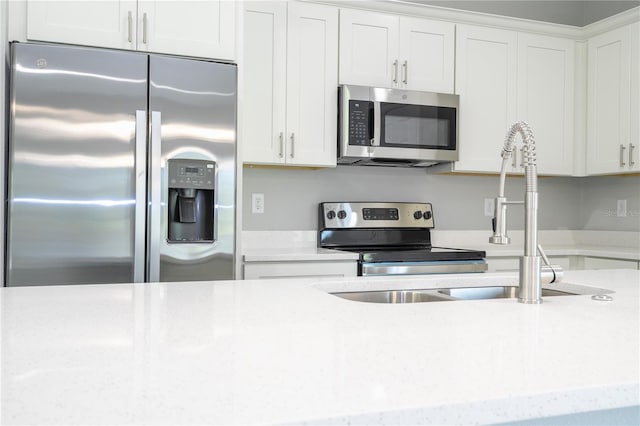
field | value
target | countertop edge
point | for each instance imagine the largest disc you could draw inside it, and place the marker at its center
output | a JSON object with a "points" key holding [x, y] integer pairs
{"points": [[503, 410]]}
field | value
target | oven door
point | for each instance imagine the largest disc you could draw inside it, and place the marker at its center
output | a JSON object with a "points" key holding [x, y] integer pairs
{"points": [[421, 267]]}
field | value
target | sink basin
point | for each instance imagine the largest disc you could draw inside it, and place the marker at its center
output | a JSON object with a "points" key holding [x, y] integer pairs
{"points": [[395, 296], [462, 293], [501, 292]]}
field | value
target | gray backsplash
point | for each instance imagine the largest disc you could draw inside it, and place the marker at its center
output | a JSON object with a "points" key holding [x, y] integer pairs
{"points": [[599, 196], [292, 197]]}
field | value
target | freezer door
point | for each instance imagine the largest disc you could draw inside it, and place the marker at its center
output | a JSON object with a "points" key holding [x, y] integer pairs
{"points": [[193, 117], [71, 194]]}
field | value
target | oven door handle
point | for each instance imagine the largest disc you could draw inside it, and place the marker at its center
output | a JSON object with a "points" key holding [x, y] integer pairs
{"points": [[405, 268]]}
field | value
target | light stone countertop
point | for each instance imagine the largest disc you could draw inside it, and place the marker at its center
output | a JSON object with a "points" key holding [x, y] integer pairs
{"points": [[286, 351], [283, 246]]}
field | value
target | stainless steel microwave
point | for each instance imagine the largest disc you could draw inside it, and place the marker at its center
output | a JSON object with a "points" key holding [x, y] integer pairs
{"points": [[393, 127]]}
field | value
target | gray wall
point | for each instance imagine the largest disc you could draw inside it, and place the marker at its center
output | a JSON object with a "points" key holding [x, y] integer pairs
{"points": [[576, 13], [292, 196], [598, 203]]}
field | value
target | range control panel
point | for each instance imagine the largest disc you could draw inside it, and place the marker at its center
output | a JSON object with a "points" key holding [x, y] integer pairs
{"points": [[375, 215]]}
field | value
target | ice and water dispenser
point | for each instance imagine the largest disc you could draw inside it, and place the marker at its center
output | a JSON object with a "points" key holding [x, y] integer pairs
{"points": [[191, 201]]}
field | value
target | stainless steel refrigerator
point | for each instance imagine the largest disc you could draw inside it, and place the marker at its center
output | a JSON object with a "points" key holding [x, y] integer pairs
{"points": [[121, 167]]}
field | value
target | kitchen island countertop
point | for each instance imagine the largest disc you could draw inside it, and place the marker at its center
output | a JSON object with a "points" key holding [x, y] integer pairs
{"points": [[286, 351]]}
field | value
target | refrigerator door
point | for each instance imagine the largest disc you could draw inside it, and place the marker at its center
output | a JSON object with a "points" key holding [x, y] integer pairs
{"points": [[71, 191], [193, 123]]}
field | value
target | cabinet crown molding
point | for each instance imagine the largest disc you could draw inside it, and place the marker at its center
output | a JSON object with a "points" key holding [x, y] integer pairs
{"points": [[400, 7]]}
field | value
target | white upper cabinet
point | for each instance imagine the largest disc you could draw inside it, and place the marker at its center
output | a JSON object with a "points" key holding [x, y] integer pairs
{"points": [[368, 48], [504, 76], [103, 23], [427, 55], [193, 28], [486, 74], [546, 73], [382, 50], [264, 79], [291, 78], [612, 108]]}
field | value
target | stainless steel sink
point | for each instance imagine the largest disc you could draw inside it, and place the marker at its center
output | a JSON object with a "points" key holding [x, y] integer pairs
{"points": [[395, 296], [462, 293], [501, 292]]}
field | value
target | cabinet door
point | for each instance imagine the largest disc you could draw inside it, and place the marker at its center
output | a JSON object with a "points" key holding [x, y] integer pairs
{"points": [[545, 98], [486, 82], [312, 84], [193, 28], [634, 144], [604, 263], [264, 78], [608, 109], [368, 48], [295, 269], [95, 23], [426, 55]]}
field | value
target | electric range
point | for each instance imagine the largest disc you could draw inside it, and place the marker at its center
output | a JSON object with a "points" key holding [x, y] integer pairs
{"points": [[391, 239]]}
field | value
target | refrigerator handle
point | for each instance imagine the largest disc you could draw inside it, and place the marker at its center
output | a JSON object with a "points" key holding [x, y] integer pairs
{"points": [[155, 198], [140, 186]]}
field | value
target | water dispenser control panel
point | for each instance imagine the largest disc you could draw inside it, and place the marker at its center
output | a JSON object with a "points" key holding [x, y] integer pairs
{"points": [[191, 209], [197, 174]]}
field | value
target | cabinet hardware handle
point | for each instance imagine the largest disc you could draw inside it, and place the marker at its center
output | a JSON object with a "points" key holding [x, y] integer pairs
{"points": [[293, 142], [395, 71], [631, 148], [515, 159], [622, 148], [144, 28], [281, 144], [522, 157], [130, 27], [405, 70]]}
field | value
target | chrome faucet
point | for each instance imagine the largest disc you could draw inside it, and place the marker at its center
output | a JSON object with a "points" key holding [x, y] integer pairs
{"points": [[530, 289]]}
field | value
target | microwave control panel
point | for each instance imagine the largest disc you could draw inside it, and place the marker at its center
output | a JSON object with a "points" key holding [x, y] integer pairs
{"points": [[360, 122]]}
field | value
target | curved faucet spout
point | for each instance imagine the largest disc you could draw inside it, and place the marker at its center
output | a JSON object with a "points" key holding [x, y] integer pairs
{"points": [[528, 155]]}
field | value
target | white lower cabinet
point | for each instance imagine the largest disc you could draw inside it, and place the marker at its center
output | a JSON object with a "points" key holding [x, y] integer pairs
{"points": [[505, 76], [191, 28], [510, 264], [291, 84], [301, 269], [605, 263]]}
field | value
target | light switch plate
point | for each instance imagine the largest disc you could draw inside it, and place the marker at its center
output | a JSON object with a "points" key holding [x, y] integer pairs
{"points": [[489, 206], [257, 202]]}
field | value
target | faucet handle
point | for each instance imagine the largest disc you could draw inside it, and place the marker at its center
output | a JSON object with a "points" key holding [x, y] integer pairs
{"points": [[499, 223]]}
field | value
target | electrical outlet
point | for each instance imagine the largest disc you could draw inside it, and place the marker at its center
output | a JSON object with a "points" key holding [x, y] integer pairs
{"points": [[257, 203], [622, 208], [489, 207]]}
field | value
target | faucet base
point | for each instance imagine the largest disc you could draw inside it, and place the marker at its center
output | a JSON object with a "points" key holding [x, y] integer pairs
{"points": [[530, 290]]}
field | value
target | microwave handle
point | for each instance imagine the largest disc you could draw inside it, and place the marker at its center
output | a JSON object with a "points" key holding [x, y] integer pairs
{"points": [[375, 123]]}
